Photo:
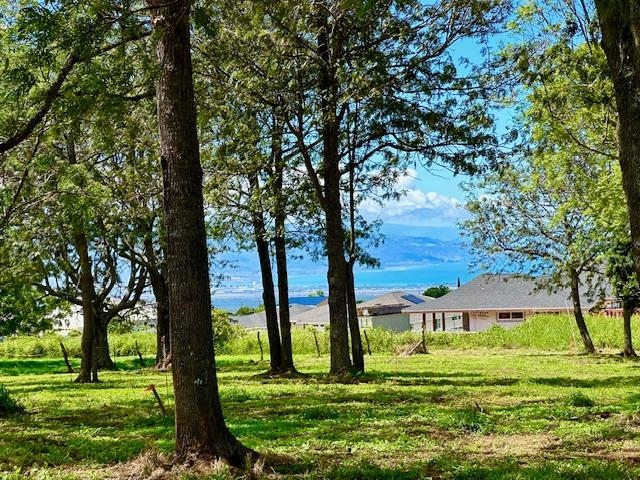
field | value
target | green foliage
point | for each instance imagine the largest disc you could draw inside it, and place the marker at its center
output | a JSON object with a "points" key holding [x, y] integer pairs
{"points": [[8, 404], [622, 275], [435, 292], [245, 310], [544, 332], [24, 310], [224, 329]]}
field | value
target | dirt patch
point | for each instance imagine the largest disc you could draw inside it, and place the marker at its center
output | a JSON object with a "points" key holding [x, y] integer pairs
{"points": [[155, 466], [526, 445]]}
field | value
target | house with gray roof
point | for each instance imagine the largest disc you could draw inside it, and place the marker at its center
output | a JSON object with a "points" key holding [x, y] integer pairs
{"points": [[502, 299], [385, 311], [258, 320]]}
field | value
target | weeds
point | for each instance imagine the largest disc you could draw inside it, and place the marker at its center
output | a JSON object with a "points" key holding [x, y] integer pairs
{"points": [[8, 404]]}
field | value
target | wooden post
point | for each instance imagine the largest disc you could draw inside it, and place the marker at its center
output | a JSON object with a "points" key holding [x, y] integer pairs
{"points": [[260, 345], [443, 325], [66, 358], [315, 336], [424, 332], [152, 388], [139, 355], [367, 340]]}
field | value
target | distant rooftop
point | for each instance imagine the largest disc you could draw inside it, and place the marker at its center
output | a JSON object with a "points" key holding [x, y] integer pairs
{"points": [[499, 292], [309, 300]]}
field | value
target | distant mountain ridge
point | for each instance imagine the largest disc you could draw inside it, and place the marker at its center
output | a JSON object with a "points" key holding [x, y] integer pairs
{"points": [[397, 251]]}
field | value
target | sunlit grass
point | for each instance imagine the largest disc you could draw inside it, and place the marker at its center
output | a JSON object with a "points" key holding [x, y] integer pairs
{"points": [[450, 415]]}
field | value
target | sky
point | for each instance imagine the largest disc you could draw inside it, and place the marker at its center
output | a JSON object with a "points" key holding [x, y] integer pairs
{"points": [[432, 199]]}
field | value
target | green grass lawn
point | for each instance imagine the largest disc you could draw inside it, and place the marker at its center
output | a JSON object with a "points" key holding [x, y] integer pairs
{"points": [[452, 414]]}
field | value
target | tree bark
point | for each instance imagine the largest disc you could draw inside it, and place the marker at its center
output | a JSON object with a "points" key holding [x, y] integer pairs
{"points": [[280, 246], [88, 364], [163, 335], [283, 296], [200, 425], [577, 313], [268, 288], [334, 239], [620, 24], [627, 313], [354, 325], [103, 356]]}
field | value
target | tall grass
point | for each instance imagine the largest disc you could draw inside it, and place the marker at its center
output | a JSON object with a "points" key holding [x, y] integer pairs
{"points": [[543, 332]]}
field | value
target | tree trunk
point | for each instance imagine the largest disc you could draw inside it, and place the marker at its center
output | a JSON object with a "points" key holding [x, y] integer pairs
{"points": [[354, 325], [334, 239], [620, 24], [163, 336], [88, 365], [577, 313], [283, 296], [200, 426], [268, 288], [627, 313], [103, 356], [280, 246]]}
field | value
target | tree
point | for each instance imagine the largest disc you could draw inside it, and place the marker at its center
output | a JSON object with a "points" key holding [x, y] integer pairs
{"points": [[524, 221], [436, 292], [200, 426], [376, 88], [624, 283], [620, 26]]}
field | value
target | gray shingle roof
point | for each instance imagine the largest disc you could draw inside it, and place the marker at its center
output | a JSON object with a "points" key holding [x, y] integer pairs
{"points": [[499, 292]]}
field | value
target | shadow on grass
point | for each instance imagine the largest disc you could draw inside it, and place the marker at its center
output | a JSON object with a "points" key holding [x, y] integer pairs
{"points": [[453, 468], [608, 382]]}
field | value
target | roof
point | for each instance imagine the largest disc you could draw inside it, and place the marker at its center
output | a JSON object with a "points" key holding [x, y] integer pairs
{"points": [[390, 303], [259, 319], [386, 304], [314, 316], [310, 300], [499, 292]]}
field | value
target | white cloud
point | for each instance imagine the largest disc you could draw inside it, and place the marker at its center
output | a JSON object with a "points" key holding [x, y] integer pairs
{"points": [[416, 206]]}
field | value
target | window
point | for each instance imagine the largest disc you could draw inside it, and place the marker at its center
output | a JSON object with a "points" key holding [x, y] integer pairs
{"points": [[510, 316]]}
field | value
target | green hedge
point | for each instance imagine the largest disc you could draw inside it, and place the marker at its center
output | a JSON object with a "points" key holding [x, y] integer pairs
{"points": [[544, 332]]}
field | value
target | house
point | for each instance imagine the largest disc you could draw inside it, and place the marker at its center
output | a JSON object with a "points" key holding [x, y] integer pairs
{"points": [[317, 316], [505, 300], [258, 320], [386, 311]]}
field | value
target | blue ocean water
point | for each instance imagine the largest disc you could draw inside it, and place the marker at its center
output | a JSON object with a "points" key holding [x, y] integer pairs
{"points": [[369, 283]]}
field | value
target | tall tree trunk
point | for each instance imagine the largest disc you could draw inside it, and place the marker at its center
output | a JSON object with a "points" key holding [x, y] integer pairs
{"points": [[627, 313], [334, 239], [280, 245], [88, 365], [268, 288], [200, 425], [577, 313], [354, 325], [620, 24], [283, 296], [103, 356]]}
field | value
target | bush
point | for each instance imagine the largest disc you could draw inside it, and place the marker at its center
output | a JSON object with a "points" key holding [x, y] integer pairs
{"points": [[8, 404]]}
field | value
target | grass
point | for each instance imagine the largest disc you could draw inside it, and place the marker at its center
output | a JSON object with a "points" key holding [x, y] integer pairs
{"points": [[544, 332], [472, 414]]}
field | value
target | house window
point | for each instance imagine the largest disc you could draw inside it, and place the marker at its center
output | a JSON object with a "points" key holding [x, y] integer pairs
{"points": [[510, 316]]}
